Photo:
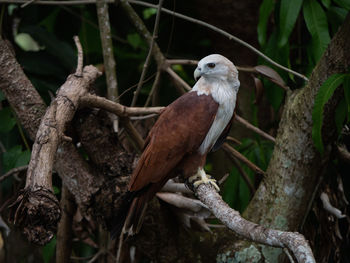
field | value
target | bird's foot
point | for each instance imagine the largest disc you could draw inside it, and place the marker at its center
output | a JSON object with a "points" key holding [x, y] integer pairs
{"points": [[202, 178]]}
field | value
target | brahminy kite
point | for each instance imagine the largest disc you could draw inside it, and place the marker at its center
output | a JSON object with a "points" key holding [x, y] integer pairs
{"points": [[180, 140]]}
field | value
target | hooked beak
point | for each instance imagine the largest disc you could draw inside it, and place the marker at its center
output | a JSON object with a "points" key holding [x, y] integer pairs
{"points": [[197, 73]]}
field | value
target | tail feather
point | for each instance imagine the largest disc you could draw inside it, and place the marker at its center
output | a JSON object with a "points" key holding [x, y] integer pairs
{"points": [[118, 220]]}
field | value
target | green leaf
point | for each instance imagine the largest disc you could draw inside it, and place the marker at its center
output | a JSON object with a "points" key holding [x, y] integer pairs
{"points": [[326, 3], [346, 86], [49, 250], [134, 40], [15, 157], [7, 122], [324, 94], [343, 3], [266, 8], [336, 16], [316, 23], [148, 12], [289, 12], [26, 42]]}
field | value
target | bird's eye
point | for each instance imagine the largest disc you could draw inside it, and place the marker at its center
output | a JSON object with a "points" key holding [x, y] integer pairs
{"points": [[211, 65]]}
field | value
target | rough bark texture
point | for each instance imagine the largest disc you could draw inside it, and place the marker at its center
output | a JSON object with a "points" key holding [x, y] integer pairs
{"points": [[283, 197], [19, 91]]}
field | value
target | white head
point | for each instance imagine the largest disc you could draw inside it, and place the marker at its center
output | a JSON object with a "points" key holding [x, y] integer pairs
{"points": [[216, 67]]}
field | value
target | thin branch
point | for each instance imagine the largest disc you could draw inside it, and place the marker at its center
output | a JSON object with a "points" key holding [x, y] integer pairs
{"points": [[182, 62], [137, 118], [13, 171], [154, 89], [133, 133], [253, 128], [107, 50], [294, 241], [235, 154], [222, 32], [329, 207], [122, 111], [79, 71], [178, 79], [245, 176], [148, 58]]}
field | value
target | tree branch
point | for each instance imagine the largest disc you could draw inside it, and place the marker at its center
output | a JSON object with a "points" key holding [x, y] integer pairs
{"points": [[38, 188], [294, 241]]}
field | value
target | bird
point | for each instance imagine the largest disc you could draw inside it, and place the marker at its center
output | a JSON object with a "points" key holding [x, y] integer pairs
{"points": [[178, 143]]}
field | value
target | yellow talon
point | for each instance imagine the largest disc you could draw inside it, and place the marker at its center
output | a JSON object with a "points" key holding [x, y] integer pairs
{"points": [[202, 178]]}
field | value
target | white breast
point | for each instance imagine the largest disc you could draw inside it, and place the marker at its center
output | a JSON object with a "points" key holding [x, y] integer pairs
{"points": [[225, 95]]}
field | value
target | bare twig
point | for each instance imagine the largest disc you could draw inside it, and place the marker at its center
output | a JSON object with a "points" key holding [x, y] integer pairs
{"points": [[79, 71], [234, 140], [222, 32], [179, 80], [253, 128], [145, 65], [294, 241], [154, 91], [107, 50], [173, 187], [329, 208], [245, 176], [122, 111], [235, 154], [13, 171], [133, 133]]}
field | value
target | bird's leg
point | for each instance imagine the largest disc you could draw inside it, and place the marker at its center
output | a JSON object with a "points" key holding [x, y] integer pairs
{"points": [[202, 178]]}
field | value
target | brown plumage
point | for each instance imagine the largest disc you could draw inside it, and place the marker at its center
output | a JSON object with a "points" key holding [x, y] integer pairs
{"points": [[174, 144]]}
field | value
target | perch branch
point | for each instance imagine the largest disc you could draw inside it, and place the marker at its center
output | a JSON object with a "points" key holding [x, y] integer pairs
{"points": [[294, 241]]}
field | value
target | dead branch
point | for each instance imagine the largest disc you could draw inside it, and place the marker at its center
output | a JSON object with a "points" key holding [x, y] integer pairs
{"points": [[90, 100], [38, 188], [329, 207], [294, 241]]}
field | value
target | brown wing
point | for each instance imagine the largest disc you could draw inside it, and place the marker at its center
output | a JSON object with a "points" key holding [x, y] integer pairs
{"points": [[180, 129]]}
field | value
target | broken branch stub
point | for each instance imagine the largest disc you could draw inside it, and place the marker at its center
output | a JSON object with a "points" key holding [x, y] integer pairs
{"points": [[36, 209]]}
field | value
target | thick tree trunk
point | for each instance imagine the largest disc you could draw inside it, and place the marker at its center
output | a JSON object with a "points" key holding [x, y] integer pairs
{"points": [[283, 197]]}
